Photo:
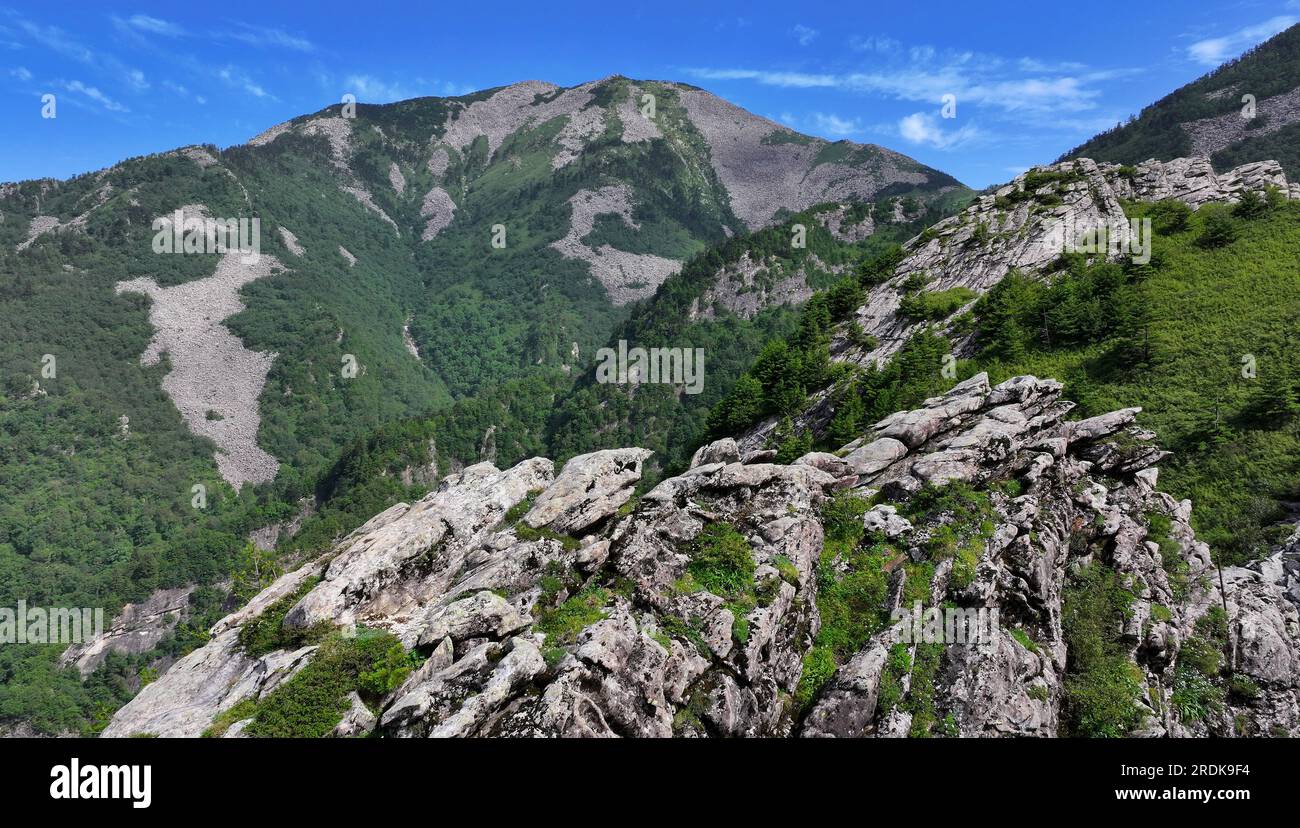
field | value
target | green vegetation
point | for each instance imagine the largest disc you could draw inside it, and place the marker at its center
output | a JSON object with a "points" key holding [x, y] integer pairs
{"points": [[1101, 684], [722, 561], [313, 701], [934, 306], [790, 343], [920, 700], [1023, 639], [245, 709], [1198, 689], [897, 666], [1177, 337], [1171, 555], [267, 632], [961, 523], [851, 591], [563, 623]]}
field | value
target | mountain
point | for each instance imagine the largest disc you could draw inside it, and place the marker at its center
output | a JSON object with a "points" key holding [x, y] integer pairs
{"points": [[1211, 116], [526, 602], [160, 409], [1197, 334], [759, 592], [876, 434]]}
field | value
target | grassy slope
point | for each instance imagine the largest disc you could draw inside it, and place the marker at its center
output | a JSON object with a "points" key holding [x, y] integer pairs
{"points": [[1210, 308]]}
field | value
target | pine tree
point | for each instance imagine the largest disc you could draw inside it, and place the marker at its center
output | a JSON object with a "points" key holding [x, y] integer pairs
{"points": [[255, 570], [1219, 230], [1278, 398], [846, 425]]}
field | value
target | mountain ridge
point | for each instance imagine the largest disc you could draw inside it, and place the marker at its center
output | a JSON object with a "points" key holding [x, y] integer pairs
{"points": [[372, 274], [526, 602], [1244, 110]]}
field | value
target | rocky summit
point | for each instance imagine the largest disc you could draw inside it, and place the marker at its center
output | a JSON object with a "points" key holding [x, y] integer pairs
{"points": [[745, 597]]}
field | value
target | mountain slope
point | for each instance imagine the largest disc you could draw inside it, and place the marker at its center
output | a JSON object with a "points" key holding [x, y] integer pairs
{"points": [[1087, 603], [1205, 117], [158, 408], [1197, 335]]}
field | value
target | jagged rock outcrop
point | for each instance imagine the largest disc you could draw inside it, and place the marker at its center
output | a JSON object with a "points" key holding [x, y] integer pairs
{"points": [[1024, 226], [136, 629], [693, 613], [1015, 228], [1005, 230]]}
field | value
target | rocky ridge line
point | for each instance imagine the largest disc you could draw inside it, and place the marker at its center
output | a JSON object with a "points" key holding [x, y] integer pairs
{"points": [[471, 575]]}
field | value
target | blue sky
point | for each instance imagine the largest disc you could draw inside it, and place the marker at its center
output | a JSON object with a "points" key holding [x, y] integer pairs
{"points": [[1030, 79]]}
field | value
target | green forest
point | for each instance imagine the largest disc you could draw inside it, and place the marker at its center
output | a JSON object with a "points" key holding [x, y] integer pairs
{"points": [[97, 469]]}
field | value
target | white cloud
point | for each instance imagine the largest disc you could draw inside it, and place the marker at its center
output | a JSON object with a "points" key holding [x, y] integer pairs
{"points": [[95, 95], [154, 25], [274, 38], [239, 79], [804, 34], [874, 43], [182, 90], [924, 128], [1215, 50], [833, 125], [961, 78], [22, 73], [921, 54], [55, 39], [798, 80], [452, 89], [1038, 66], [372, 89], [60, 42]]}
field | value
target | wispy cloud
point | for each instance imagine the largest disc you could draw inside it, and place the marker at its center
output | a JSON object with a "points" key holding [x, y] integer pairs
{"points": [[153, 25], [925, 129], [57, 40], [93, 94], [452, 89], [21, 72], [804, 34], [875, 43], [183, 91], [270, 38], [61, 43], [1215, 50], [832, 125], [1037, 66], [241, 80], [370, 88], [826, 124], [913, 83]]}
